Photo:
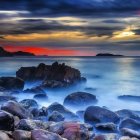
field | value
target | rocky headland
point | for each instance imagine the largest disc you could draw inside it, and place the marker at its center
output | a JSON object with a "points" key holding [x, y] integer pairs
{"points": [[26, 120]]}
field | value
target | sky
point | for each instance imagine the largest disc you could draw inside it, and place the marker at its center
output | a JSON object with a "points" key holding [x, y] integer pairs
{"points": [[71, 27]]}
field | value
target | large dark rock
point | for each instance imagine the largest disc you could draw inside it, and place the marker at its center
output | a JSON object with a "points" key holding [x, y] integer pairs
{"points": [[128, 114], [80, 99], [11, 83], [16, 109], [56, 117], [55, 75], [21, 135], [44, 135], [131, 124], [64, 111], [29, 103], [95, 114], [6, 121], [28, 125]]}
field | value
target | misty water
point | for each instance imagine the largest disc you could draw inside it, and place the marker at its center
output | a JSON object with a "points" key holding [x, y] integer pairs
{"points": [[107, 77]]}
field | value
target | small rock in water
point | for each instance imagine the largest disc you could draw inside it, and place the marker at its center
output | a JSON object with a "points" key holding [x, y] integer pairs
{"points": [[111, 136], [127, 138], [35, 90], [41, 97], [130, 98]]}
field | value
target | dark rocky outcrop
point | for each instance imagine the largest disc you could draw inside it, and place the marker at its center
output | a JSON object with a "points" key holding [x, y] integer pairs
{"points": [[55, 75], [80, 99], [16, 109], [108, 55], [95, 114], [6, 121], [11, 83]]}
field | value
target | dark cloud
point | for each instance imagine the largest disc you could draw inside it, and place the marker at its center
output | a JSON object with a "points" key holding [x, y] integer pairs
{"points": [[73, 7]]}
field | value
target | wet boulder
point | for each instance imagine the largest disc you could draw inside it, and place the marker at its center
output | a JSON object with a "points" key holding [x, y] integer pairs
{"points": [[16, 109], [21, 135], [5, 98], [29, 103], [131, 124], [95, 114], [56, 117], [11, 83], [130, 133], [4, 136], [128, 114], [44, 135], [80, 99], [106, 126], [64, 111], [6, 121], [128, 138], [28, 124], [111, 136]]}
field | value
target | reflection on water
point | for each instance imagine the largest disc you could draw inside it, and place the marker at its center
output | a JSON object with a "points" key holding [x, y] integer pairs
{"points": [[110, 77]]}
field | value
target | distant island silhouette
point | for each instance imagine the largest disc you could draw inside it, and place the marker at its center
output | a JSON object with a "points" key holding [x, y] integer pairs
{"points": [[4, 53], [108, 55]]}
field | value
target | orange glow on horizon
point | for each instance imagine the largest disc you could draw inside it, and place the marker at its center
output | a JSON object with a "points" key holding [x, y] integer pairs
{"points": [[50, 52]]}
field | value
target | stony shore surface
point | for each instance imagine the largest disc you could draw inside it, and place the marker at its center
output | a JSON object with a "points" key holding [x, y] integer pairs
{"points": [[26, 120]]}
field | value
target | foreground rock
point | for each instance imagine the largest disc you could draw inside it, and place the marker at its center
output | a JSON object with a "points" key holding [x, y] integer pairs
{"points": [[61, 109], [55, 75], [16, 109], [28, 125], [130, 132], [11, 83], [95, 114], [128, 138], [44, 135], [71, 130], [6, 121], [111, 136], [131, 124], [80, 99], [130, 98], [4, 136], [21, 135]]}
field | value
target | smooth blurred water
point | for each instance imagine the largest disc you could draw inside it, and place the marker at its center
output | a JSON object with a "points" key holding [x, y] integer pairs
{"points": [[109, 78]]}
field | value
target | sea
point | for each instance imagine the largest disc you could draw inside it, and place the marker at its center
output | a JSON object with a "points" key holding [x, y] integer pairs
{"points": [[107, 78]]}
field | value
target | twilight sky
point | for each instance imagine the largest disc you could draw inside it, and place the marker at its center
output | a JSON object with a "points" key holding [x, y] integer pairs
{"points": [[71, 27]]}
